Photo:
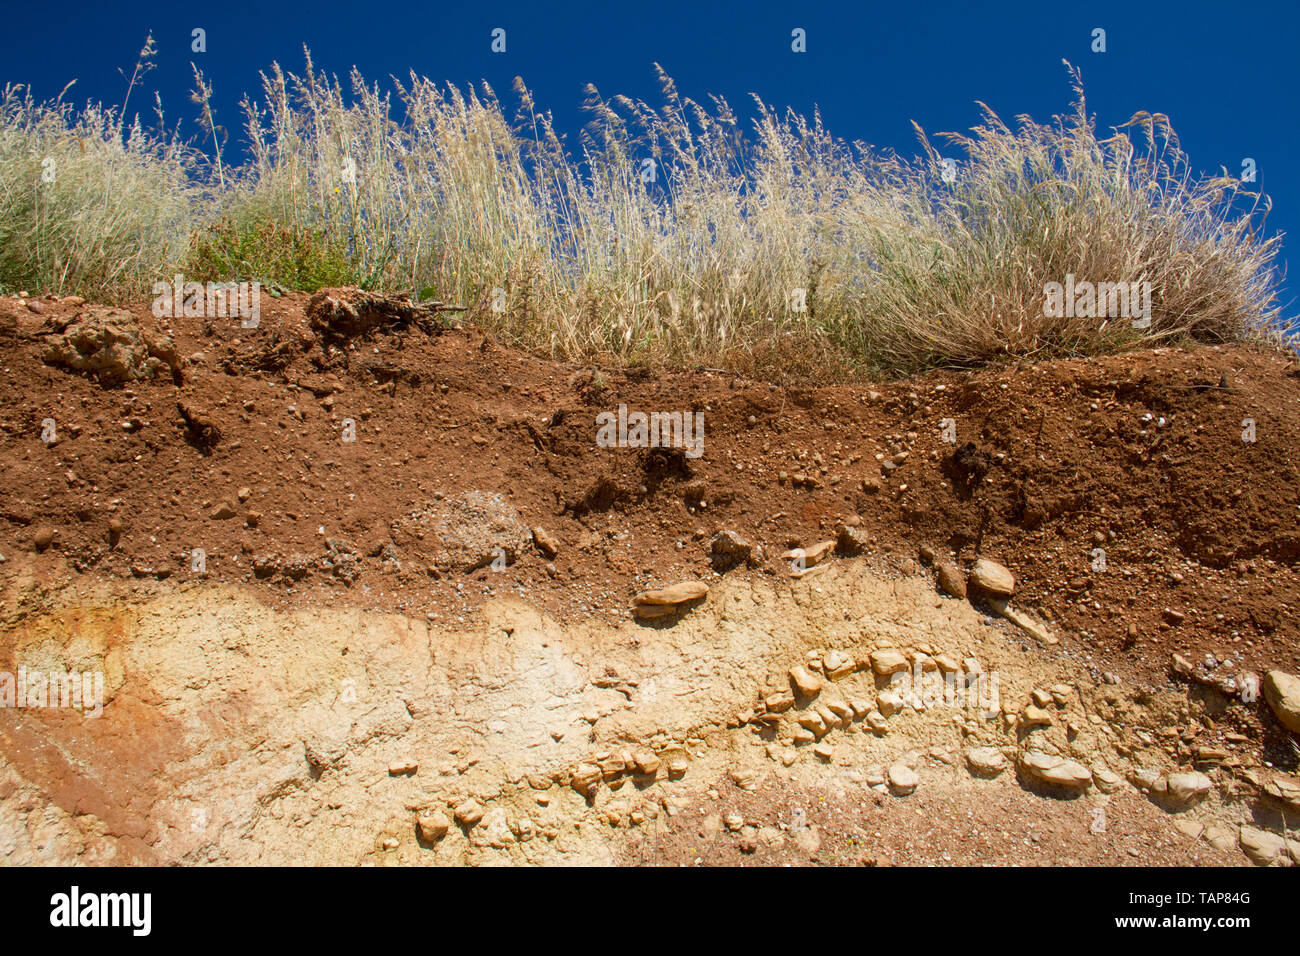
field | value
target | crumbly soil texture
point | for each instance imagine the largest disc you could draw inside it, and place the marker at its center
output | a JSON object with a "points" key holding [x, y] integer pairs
{"points": [[360, 586]]}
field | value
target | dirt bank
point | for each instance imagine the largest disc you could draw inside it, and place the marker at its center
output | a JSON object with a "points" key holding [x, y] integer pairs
{"points": [[309, 554]]}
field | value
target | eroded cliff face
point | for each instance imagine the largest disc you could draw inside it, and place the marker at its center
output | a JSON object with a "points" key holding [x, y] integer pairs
{"points": [[355, 587], [233, 732]]}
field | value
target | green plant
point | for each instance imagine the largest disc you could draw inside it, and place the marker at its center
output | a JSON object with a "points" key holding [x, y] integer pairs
{"points": [[290, 256]]}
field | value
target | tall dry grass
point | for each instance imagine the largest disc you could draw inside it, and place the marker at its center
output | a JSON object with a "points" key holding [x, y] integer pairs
{"points": [[571, 251], [89, 202]]}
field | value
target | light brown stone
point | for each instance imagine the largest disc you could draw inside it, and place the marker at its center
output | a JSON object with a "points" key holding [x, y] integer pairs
{"points": [[887, 661], [678, 593], [991, 577], [1282, 691], [805, 683], [432, 825], [1056, 771]]}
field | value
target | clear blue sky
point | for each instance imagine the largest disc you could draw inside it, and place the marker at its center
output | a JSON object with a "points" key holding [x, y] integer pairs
{"points": [[1227, 74]]}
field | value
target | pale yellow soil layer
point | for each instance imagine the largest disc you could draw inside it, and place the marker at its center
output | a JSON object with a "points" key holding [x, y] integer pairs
{"points": [[236, 733]]}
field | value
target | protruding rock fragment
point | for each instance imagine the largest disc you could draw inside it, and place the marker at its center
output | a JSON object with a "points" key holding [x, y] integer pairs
{"points": [[1147, 780], [1105, 779], [814, 723], [779, 703], [585, 777], [1055, 771], [985, 761], [674, 594], [545, 542], [1023, 621], [469, 813], [992, 578], [902, 779], [837, 664], [432, 825], [950, 580], [947, 664], [1267, 849], [646, 762], [805, 683], [851, 540], [611, 765], [1282, 691], [841, 709], [727, 549], [889, 702], [887, 661], [803, 560], [1185, 789], [1033, 716], [1285, 789]]}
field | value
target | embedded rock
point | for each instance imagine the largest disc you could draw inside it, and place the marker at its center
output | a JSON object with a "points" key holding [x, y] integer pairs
{"points": [[110, 346], [1282, 691], [992, 578], [985, 761], [464, 532], [1055, 771], [673, 594]]}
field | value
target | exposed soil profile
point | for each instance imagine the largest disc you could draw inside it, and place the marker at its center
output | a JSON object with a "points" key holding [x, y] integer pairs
{"points": [[366, 587]]}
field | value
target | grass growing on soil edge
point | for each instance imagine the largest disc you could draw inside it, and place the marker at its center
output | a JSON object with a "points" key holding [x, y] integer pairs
{"points": [[674, 235]]}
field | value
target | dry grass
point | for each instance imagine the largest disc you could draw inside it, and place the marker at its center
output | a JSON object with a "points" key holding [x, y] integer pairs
{"points": [[89, 203], [434, 190]]}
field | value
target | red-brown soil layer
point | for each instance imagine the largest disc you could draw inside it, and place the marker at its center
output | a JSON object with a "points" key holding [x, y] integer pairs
{"points": [[1141, 455], [962, 826]]}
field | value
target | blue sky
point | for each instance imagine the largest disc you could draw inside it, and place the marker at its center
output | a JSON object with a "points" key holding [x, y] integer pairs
{"points": [[1226, 74]]}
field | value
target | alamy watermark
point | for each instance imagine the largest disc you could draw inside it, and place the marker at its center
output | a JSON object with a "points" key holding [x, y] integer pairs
{"points": [[1110, 300], [215, 300], [30, 688], [75, 908], [967, 688], [656, 430]]}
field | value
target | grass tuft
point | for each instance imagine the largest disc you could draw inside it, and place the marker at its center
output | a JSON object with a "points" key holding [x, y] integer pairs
{"points": [[673, 233]]}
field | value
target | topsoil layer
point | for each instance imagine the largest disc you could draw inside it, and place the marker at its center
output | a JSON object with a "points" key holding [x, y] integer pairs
{"points": [[1146, 503]]}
